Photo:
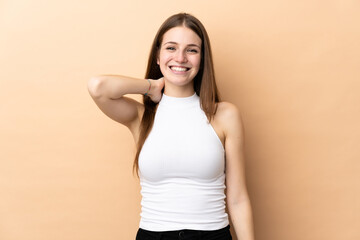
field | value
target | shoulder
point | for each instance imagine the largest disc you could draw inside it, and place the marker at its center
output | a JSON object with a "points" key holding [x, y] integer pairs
{"points": [[227, 111], [229, 116]]}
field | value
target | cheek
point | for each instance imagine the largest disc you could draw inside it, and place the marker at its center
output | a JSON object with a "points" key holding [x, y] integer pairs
{"points": [[162, 61], [163, 58], [196, 61]]}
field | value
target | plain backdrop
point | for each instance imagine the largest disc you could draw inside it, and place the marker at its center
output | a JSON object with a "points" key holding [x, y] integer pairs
{"points": [[292, 68]]}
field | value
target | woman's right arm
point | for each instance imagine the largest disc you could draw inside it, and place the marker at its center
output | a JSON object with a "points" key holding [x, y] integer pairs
{"points": [[107, 91]]}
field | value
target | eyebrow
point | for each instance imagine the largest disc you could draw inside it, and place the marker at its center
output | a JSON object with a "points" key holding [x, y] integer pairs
{"points": [[191, 44]]}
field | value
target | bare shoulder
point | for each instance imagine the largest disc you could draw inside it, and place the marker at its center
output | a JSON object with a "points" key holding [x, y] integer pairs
{"points": [[227, 111], [228, 115]]}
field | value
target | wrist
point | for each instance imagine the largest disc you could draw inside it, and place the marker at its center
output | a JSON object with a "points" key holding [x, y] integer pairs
{"points": [[154, 87], [149, 89]]}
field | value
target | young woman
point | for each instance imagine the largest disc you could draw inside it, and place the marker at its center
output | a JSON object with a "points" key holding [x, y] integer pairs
{"points": [[183, 133]]}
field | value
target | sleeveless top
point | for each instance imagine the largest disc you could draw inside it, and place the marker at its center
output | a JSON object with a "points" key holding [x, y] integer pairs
{"points": [[182, 170]]}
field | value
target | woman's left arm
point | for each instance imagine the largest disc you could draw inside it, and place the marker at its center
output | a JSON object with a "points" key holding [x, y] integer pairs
{"points": [[237, 198]]}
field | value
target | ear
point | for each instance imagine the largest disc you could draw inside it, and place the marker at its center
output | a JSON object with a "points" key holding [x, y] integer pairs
{"points": [[157, 57]]}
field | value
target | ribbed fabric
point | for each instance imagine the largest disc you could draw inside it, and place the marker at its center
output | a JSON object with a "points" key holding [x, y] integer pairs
{"points": [[182, 170]]}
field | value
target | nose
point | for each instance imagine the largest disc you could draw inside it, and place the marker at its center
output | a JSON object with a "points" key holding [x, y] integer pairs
{"points": [[180, 57]]}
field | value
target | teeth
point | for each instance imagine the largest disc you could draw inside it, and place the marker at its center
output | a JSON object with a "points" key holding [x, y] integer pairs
{"points": [[178, 69]]}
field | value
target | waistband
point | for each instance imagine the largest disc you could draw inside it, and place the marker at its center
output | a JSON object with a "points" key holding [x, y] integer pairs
{"points": [[181, 234]]}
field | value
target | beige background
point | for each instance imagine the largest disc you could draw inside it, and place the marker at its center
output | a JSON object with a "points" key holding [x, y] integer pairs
{"points": [[292, 68]]}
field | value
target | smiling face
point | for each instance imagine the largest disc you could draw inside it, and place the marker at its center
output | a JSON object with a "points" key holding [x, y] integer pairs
{"points": [[179, 55]]}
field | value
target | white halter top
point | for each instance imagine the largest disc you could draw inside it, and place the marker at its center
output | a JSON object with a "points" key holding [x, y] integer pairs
{"points": [[182, 170]]}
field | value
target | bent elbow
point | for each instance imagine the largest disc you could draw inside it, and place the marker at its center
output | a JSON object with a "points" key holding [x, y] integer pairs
{"points": [[94, 87]]}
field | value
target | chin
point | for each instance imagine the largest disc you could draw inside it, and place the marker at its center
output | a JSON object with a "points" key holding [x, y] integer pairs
{"points": [[178, 80]]}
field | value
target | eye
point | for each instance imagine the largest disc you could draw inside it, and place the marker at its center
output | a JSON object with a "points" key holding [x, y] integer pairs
{"points": [[170, 48], [193, 50]]}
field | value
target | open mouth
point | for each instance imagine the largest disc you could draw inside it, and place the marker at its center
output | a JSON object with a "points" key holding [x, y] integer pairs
{"points": [[179, 69]]}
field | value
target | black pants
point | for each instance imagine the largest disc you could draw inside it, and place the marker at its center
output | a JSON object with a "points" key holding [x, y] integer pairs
{"points": [[186, 234]]}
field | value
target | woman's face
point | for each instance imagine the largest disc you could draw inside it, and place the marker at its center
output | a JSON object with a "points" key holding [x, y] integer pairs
{"points": [[179, 56]]}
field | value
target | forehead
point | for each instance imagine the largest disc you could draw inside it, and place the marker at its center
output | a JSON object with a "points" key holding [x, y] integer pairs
{"points": [[181, 35]]}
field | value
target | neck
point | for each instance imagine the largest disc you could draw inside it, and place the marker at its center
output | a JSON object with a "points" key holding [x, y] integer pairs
{"points": [[172, 90]]}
